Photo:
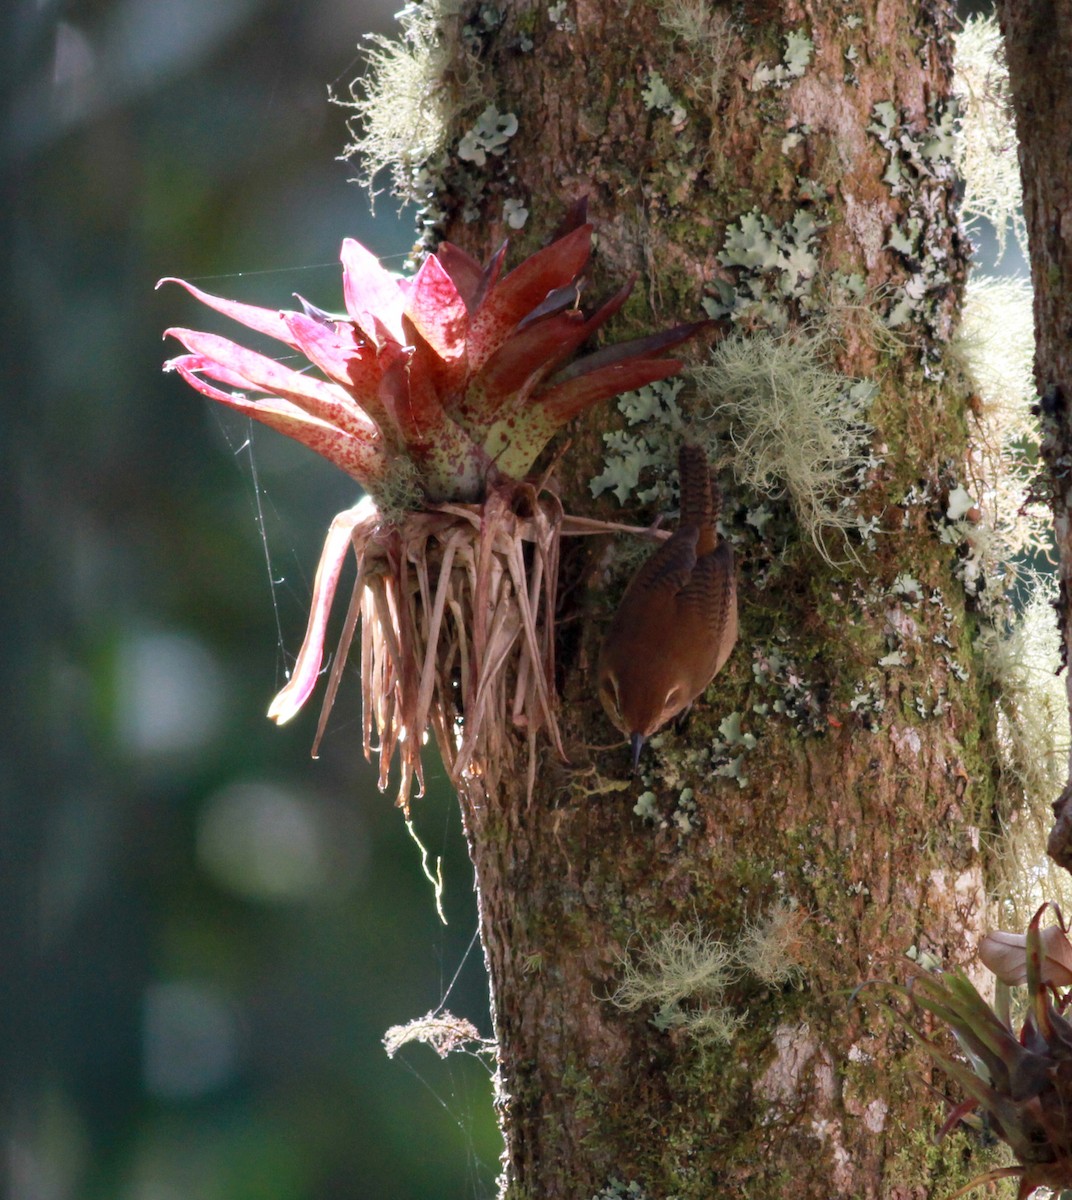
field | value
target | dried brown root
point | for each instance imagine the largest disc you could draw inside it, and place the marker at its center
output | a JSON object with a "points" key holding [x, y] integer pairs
{"points": [[456, 607]]}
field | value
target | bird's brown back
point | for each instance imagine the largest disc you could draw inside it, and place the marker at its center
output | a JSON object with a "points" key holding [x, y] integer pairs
{"points": [[677, 622]]}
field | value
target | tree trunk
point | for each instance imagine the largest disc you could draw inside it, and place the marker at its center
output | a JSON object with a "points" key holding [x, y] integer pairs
{"points": [[1038, 47], [850, 831]]}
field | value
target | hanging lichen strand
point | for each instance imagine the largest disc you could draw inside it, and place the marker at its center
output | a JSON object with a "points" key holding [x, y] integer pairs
{"points": [[437, 394]]}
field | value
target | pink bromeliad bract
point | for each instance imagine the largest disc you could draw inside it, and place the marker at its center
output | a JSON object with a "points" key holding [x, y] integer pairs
{"points": [[461, 371]]}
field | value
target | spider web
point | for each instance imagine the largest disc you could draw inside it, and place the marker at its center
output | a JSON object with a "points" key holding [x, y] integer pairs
{"points": [[459, 1079], [460, 1083]]}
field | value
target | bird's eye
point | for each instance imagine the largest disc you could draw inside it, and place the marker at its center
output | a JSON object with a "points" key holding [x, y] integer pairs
{"points": [[673, 698]]}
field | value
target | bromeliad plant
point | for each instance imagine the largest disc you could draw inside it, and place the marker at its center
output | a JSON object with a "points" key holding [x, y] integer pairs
{"points": [[1021, 1081], [445, 388]]}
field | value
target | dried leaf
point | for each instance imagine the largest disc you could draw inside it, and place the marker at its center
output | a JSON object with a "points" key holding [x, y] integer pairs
{"points": [[1005, 954]]}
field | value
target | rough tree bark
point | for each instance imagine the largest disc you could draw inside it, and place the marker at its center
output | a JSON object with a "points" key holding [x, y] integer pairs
{"points": [[870, 787], [1038, 47]]}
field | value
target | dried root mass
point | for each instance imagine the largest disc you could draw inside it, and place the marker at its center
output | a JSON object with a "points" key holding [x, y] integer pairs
{"points": [[456, 607]]}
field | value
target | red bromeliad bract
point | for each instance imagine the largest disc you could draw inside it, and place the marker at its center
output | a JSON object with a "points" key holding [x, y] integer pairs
{"points": [[459, 372]]}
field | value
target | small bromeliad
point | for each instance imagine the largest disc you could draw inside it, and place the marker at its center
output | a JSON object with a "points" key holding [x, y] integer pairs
{"points": [[1019, 1078]]}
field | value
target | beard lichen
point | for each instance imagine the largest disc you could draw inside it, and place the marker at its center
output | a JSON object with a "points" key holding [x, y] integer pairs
{"points": [[797, 428], [995, 347], [1021, 662], [683, 973], [404, 103], [422, 110], [772, 948], [686, 974], [985, 143], [709, 36]]}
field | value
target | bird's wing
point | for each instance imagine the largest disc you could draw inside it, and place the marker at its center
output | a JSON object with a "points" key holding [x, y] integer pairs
{"points": [[711, 595], [670, 567]]}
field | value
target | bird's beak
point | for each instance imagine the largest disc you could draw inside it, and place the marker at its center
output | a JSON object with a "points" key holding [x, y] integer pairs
{"points": [[636, 740]]}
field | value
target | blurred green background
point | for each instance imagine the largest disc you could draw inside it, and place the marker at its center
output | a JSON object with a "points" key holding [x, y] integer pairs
{"points": [[205, 933]]}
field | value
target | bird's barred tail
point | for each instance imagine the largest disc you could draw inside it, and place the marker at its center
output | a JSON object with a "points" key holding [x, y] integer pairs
{"points": [[700, 498]]}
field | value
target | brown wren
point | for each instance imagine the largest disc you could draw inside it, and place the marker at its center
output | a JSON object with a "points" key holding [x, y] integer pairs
{"points": [[677, 621]]}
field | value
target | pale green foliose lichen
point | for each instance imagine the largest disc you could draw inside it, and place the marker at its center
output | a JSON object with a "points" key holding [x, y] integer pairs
{"points": [[648, 446], [645, 807], [556, 13], [960, 502], [868, 704], [794, 138], [908, 587], [617, 1189], [791, 693], [515, 214], [771, 264], [730, 729], [920, 171], [684, 815], [796, 58], [489, 135], [658, 97]]}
